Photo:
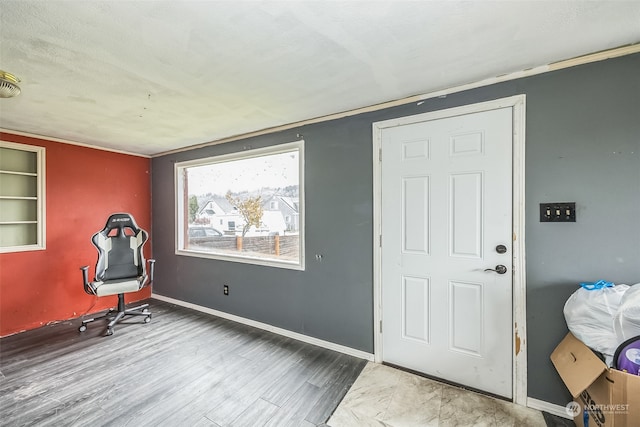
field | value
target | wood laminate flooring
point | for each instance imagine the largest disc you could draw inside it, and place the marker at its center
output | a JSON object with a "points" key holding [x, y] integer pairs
{"points": [[185, 368]]}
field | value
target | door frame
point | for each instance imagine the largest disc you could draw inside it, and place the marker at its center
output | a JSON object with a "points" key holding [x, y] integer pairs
{"points": [[519, 349]]}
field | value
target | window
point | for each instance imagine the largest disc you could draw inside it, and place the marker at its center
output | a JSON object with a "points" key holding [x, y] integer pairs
{"points": [[239, 191], [22, 226]]}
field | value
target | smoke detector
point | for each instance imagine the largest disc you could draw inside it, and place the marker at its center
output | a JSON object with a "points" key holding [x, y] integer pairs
{"points": [[8, 85]]}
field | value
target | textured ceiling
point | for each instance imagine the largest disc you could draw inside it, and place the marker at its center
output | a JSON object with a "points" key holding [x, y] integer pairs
{"points": [[152, 76]]}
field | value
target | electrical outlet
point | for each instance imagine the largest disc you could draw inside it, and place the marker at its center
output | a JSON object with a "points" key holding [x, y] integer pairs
{"points": [[225, 289]]}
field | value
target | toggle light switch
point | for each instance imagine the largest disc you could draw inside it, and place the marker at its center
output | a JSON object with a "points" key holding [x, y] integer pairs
{"points": [[558, 212]]}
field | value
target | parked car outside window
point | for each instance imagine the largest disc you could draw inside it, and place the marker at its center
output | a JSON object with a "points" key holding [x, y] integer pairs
{"points": [[200, 235]]}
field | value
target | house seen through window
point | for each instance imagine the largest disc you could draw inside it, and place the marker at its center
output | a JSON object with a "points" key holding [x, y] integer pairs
{"points": [[245, 207]]}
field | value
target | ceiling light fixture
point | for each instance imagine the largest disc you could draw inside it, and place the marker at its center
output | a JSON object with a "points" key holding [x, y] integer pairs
{"points": [[8, 85]]}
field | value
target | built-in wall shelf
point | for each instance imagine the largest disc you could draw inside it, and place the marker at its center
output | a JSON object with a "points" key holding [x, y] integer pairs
{"points": [[21, 197]]}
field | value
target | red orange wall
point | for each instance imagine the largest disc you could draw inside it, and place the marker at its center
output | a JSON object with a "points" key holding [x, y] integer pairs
{"points": [[83, 186]]}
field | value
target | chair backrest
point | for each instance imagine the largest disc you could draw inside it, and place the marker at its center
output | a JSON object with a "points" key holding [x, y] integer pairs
{"points": [[119, 245]]}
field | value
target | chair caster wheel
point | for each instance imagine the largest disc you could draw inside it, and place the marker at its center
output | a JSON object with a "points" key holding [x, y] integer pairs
{"points": [[145, 311], [109, 331], [147, 319], [82, 328]]}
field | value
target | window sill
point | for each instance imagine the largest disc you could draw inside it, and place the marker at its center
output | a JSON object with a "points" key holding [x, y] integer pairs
{"points": [[246, 259]]}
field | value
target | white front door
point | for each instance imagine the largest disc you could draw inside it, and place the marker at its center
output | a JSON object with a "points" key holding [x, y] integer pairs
{"points": [[446, 217]]}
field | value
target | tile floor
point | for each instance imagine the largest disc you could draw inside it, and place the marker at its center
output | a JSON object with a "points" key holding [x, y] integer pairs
{"points": [[384, 396]]}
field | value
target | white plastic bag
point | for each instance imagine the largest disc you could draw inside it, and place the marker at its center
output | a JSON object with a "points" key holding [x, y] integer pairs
{"points": [[626, 321], [589, 313]]}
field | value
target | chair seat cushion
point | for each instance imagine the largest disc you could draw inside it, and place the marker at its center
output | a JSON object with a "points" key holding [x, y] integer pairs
{"points": [[114, 287]]}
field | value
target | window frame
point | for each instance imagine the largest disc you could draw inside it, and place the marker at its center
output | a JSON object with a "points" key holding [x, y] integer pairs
{"points": [[40, 197], [181, 204]]}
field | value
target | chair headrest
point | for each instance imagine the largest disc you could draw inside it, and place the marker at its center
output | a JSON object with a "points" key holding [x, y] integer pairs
{"points": [[120, 221]]}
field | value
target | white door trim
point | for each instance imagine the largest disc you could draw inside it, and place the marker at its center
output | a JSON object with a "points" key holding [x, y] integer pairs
{"points": [[518, 104]]}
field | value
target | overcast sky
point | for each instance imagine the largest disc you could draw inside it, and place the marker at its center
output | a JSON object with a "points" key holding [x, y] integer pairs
{"points": [[275, 170]]}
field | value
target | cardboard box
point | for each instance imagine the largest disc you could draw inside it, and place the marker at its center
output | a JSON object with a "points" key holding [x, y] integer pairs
{"points": [[612, 397]]}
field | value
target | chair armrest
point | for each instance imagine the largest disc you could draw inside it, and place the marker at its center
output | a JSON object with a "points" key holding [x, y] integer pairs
{"points": [[85, 279], [152, 264]]}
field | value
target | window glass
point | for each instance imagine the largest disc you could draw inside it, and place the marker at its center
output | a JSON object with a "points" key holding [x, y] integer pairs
{"points": [[248, 206]]}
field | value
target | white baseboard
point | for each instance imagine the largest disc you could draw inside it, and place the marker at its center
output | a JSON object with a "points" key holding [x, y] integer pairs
{"points": [[284, 332], [551, 408]]}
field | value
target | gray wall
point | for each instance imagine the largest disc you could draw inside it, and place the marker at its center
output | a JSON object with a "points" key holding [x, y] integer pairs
{"points": [[583, 145]]}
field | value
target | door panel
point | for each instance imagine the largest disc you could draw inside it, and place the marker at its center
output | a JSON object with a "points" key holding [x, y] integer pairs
{"points": [[467, 315], [415, 224], [465, 222], [415, 308]]}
